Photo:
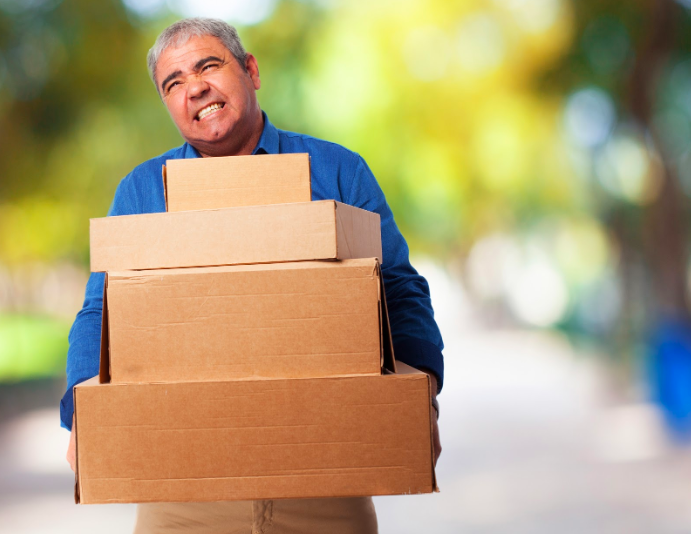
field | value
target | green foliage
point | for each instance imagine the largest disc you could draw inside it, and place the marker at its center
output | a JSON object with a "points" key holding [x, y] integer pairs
{"points": [[77, 112]]}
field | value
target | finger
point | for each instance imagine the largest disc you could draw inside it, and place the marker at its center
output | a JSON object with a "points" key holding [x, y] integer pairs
{"points": [[437, 443], [71, 455]]}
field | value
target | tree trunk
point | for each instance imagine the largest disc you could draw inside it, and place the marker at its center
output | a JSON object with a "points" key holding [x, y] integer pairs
{"points": [[664, 223]]}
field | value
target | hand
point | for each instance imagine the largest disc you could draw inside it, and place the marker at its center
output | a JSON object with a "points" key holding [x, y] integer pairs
{"points": [[72, 450], [436, 442]]}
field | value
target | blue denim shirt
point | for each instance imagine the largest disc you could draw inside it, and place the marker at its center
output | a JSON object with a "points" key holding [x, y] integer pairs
{"points": [[337, 173]]}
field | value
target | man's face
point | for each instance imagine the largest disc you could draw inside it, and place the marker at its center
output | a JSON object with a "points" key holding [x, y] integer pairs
{"points": [[210, 97]]}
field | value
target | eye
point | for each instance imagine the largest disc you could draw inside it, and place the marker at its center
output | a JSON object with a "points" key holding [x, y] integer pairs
{"points": [[171, 86], [209, 66]]}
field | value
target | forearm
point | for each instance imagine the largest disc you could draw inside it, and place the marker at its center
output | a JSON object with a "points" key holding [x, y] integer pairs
{"points": [[85, 345]]}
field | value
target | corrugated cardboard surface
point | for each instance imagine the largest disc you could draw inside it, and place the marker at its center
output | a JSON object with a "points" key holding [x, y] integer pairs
{"points": [[287, 320], [225, 182], [321, 230], [254, 439]]}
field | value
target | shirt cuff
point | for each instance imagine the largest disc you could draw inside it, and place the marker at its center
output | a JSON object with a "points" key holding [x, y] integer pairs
{"points": [[420, 354], [67, 405], [67, 409]]}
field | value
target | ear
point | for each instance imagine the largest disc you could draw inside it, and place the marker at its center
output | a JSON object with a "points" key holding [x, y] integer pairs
{"points": [[253, 70]]}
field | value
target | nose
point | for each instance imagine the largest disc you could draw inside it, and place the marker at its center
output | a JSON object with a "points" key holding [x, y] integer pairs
{"points": [[197, 87]]}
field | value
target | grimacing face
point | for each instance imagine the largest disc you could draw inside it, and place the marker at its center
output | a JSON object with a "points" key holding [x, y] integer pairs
{"points": [[210, 97]]}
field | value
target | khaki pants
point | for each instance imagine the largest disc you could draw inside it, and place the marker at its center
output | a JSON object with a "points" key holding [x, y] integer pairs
{"points": [[293, 516]]}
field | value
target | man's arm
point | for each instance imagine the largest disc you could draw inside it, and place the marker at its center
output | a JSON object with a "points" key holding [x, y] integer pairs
{"points": [[84, 350], [416, 337], [85, 345]]}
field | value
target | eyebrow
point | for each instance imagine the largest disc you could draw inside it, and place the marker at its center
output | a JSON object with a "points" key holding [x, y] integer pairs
{"points": [[170, 77], [198, 65]]}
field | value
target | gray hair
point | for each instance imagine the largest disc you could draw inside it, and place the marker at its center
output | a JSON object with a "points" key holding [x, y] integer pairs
{"points": [[179, 33]]}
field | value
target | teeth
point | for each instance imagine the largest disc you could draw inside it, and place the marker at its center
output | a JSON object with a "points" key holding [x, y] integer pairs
{"points": [[207, 110]]}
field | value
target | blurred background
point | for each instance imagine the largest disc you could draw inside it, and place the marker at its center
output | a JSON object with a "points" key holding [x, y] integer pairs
{"points": [[536, 155]]}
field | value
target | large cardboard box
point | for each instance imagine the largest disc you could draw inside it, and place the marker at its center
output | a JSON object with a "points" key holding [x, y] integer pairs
{"points": [[226, 182], [254, 439], [285, 320], [322, 230]]}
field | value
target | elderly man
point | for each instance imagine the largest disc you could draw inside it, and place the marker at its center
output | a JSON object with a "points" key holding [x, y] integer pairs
{"points": [[208, 83]]}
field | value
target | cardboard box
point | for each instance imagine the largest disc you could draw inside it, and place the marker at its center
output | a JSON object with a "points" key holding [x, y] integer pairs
{"points": [[285, 320], [323, 230], [254, 439], [226, 182]]}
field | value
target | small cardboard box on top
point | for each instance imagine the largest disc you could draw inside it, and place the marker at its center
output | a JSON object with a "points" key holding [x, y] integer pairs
{"points": [[320, 230], [228, 182], [281, 320], [254, 439]]}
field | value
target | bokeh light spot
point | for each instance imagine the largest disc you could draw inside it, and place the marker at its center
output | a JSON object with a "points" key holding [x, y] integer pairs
{"points": [[600, 304], [589, 117], [480, 42], [626, 169], [426, 53], [582, 250], [539, 295], [674, 130], [534, 16]]}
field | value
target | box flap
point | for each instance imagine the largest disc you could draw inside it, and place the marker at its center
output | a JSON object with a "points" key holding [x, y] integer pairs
{"points": [[104, 366], [359, 232], [432, 417], [294, 265], [76, 449], [165, 185], [388, 357]]}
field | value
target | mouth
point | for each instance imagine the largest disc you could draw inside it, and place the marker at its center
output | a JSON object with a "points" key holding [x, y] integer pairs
{"points": [[209, 110]]}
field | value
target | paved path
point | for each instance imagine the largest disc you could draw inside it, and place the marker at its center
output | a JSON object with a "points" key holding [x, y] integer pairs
{"points": [[537, 439]]}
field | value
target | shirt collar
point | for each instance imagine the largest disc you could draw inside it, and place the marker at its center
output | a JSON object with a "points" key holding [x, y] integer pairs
{"points": [[268, 142]]}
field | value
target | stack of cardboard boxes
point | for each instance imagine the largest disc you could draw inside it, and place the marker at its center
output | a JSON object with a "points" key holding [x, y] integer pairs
{"points": [[235, 362]]}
